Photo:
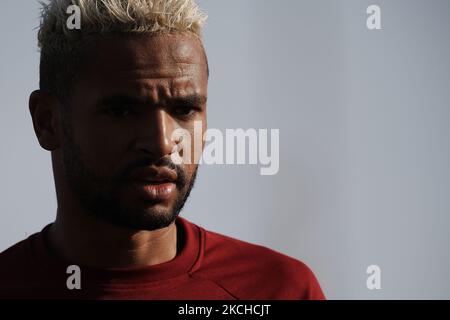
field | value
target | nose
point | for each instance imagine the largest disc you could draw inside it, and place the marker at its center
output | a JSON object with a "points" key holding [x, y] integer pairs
{"points": [[155, 134]]}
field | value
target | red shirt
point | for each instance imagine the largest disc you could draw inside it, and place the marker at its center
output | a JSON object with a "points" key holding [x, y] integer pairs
{"points": [[209, 266]]}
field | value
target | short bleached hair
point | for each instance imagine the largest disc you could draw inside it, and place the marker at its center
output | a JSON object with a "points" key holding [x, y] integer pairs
{"points": [[61, 48]]}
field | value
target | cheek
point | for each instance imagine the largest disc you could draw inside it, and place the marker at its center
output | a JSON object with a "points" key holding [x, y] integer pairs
{"points": [[189, 169], [205, 127], [102, 151], [193, 142]]}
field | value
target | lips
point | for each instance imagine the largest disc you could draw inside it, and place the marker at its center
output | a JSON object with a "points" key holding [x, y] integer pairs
{"points": [[154, 192], [153, 184], [154, 175]]}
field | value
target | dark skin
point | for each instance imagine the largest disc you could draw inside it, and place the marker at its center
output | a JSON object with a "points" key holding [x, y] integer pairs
{"points": [[134, 91]]}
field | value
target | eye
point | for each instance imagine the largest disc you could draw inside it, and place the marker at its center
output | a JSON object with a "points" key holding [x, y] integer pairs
{"points": [[119, 112], [185, 111]]}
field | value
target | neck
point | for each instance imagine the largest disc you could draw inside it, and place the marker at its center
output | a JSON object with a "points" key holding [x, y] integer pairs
{"points": [[79, 238]]}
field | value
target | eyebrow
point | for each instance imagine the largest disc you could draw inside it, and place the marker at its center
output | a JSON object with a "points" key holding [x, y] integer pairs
{"points": [[120, 99], [123, 99], [190, 100]]}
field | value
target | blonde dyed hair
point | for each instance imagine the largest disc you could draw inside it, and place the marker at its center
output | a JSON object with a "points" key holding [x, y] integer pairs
{"points": [[61, 48]]}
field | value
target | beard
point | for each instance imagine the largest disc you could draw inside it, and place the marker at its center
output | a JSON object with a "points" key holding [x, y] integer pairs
{"points": [[101, 197]]}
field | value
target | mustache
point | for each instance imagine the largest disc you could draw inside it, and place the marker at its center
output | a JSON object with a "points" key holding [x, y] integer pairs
{"points": [[162, 162]]}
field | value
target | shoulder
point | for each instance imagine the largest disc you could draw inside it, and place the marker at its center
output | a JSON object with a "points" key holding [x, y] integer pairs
{"points": [[17, 264], [251, 271], [15, 255]]}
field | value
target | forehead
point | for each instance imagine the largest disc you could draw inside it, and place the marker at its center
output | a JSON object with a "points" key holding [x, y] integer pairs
{"points": [[166, 63]]}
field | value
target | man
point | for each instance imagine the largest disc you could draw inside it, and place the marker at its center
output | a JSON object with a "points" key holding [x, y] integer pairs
{"points": [[111, 95]]}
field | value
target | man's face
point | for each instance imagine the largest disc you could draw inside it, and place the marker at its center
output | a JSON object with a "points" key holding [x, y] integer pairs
{"points": [[134, 92]]}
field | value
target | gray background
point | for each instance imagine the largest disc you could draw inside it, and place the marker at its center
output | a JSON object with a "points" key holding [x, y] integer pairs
{"points": [[363, 118]]}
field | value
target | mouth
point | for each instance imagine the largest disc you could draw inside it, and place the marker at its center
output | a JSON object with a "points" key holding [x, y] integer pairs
{"points": [[153, 184], [156, 191]]}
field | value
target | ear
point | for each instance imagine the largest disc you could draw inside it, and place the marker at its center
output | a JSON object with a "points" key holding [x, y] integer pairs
{"points": [[45, 113]]}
